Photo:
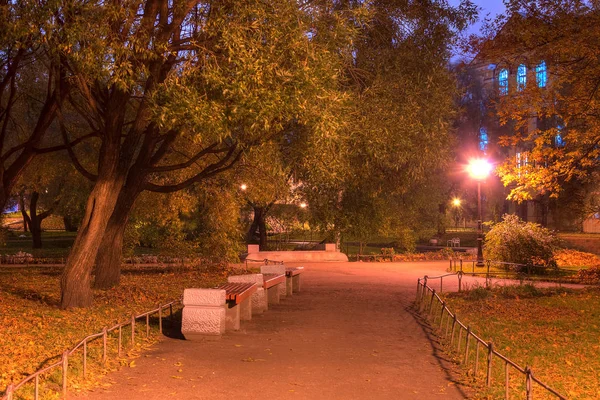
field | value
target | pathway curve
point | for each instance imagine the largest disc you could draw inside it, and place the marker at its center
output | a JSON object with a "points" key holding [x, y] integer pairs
{"points": [[349, 334]]}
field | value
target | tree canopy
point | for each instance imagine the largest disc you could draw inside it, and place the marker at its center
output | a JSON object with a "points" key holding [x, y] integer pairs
{"points": [[564, 146]]}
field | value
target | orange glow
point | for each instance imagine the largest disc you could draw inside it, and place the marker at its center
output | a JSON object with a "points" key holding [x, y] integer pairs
{"points": [[243, 186], [456, 202]]}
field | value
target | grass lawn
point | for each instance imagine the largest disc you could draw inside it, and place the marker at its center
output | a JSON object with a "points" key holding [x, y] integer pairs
{"points": [[553, 331], [33, 329]]}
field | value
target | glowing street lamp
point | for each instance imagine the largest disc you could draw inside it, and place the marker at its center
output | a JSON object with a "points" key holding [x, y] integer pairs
{"points": [[456, 202], [243, 186], [479, 169], [303, 205]]}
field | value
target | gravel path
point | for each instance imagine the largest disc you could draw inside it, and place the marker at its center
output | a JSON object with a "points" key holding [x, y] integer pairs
{"points": [[349, 334]]}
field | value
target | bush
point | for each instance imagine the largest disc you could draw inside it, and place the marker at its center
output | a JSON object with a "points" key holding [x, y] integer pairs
{"points": [[516, 241]]}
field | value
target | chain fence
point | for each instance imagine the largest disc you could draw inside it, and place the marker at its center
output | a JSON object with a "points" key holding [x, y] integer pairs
{"points": [[459, 337], [116, 333], [492, 268]]}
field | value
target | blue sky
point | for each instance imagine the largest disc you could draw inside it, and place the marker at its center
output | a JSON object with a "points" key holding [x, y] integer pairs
{"points": [[488, 7]]}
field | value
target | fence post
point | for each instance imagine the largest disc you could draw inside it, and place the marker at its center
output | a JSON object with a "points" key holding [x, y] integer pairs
{"points": [[467, 345], [120, 340], [104, 339], [452, 332], [442, 313], [488, 380], [451, 267], [528, 383], [147, 325], [65, 367], [132, 330], [84, 358], [460, 275], [418, 289], [441, 284], [9, 392], [160, 318], [461, 265], [431, 302]]}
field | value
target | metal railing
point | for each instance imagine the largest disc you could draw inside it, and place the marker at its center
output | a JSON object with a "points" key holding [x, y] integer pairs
{"points": [[430, 304], [63, 362], [518, 271], [264, 261]]}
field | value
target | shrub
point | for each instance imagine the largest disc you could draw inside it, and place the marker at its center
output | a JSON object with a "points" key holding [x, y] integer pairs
{"points": [[516, 241]]}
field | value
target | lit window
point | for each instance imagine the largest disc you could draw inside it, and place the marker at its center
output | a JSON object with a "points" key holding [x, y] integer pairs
{"points": [[521, 77], [558, 139], [541, 75], [503, 81], [483, 139]]}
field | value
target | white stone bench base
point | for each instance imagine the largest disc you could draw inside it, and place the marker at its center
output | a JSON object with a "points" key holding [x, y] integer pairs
{"points": [[273, 294], [259, 301], [199, 322], [296, 283], [288, 285]]}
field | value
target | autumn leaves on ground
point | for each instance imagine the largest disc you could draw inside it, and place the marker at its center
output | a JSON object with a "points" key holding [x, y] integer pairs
{"points": [[34, 331]]}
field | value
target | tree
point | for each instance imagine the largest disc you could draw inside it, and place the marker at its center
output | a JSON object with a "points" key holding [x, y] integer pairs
{"points": [[176, 94], [49, 186], [564, 145], [32, 87], [397, 136]]}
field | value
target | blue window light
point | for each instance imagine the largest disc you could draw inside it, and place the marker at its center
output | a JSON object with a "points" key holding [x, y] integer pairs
{"points": [[503, 81], [483, 139], [521, 77], [558, 139], [541, 74]]}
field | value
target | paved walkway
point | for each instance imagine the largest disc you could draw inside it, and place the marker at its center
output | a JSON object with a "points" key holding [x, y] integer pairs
{"points": [[349, 334]]}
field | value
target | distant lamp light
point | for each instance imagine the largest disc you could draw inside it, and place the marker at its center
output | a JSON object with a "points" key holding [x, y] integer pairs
{"points": [[456, 202], [303, 205], [243, 186]]}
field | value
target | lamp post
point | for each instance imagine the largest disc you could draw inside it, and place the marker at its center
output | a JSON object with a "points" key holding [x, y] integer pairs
{"points": [[479, 169]]}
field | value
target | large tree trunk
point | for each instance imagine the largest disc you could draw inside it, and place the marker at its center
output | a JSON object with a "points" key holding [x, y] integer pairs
{"points": [[35, 222], [108, 261], [75, 283]]}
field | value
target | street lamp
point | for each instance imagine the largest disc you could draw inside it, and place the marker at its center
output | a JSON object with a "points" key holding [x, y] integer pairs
{"points": [[456, 202], [479, 169], [243, 186]]}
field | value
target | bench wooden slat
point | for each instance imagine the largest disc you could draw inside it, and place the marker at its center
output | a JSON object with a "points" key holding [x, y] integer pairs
{"points": [[271, 280], [236, 292], [293, 271]]}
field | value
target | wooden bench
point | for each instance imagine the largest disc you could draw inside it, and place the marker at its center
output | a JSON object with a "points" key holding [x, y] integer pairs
{"points": [[237, 296], [292, 281], [259, 297], [272, 284]]}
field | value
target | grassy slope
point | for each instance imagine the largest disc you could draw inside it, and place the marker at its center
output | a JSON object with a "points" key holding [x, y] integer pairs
{"points": [[554, 332]]}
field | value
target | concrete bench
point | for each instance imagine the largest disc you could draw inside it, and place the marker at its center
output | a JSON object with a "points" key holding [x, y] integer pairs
{"points": [[273, 284], [277, 269], [292, 279], [259, 297], [209, 312], [238, 295]]}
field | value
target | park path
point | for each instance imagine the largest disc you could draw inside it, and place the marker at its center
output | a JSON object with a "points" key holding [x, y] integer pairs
{"points": [[349, 334]]}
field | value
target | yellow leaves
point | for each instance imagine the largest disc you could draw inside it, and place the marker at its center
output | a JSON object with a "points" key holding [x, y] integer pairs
{"points": [[132, 364]]}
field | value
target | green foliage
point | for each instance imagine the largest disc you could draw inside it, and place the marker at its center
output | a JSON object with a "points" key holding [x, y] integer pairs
{"points": [[516, 241], [383, 175]]}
